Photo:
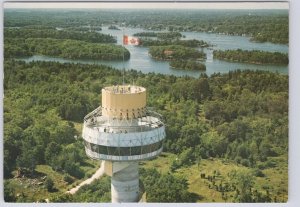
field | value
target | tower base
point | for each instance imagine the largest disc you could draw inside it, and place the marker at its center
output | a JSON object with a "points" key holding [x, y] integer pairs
{"points": [[124, 182]]}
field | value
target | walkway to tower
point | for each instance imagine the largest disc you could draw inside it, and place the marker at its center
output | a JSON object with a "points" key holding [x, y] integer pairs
{"points": [[88, 181]]}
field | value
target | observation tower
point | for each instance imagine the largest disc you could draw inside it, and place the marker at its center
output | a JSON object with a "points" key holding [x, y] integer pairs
{"points": [[123, 132]]}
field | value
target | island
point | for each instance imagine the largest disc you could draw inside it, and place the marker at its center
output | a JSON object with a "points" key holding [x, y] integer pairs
{"points": [[175, 52], [113, 27], [160, 35], [65, 48], [254, 56], [187, 65], [187, 43]]}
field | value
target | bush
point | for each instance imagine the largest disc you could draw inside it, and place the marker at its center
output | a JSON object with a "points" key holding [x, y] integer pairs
{"points": [[49, 184], [174, 166], [238, 159], [68, 179], [258, 173], [9, 192], [270, 164], [245, 162], [73, 169]]}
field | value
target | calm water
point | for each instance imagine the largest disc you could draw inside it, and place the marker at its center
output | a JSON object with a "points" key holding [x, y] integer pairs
{"points": [[140, 60]]}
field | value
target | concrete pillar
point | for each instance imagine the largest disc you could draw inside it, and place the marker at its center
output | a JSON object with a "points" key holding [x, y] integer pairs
{"points": [[125, 182]]}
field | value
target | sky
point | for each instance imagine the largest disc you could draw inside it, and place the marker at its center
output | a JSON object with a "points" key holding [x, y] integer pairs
{"points": [[156, 5]]}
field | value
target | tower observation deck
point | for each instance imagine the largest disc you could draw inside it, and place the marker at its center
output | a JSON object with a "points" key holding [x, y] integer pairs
{"points": [[122, 132]]}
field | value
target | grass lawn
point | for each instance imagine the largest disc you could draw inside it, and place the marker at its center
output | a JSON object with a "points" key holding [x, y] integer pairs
{"points": [[162, 163]]}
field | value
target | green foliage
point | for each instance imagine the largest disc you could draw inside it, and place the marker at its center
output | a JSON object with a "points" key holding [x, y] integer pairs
{"points": [[68, 179], [9, 192], [172, 52], [185, 158], [62, 198], [261, 25], [146, 34], [28, 158], [52, 151], [253, 56], [34, 32], [73, 169], [49, 184], [244, 181], [97, 191], [258, 173], [187, 43], [160, 35], [73, 49], [240, 116], [67, 159], [187, 65], [165, 187], [113, 27]]}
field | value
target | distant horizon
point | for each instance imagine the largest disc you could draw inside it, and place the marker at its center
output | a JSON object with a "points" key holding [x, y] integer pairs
{"points": [[154, 5]]}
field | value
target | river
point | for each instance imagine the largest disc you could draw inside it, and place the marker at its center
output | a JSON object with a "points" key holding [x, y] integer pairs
{"points": [[141, 61]]}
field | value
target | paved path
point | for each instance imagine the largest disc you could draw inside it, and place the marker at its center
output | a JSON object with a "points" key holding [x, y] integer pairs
{"points": [[88, 181]]}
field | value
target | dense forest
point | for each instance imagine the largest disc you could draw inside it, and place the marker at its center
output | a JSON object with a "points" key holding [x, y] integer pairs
{"points": [[187, 65], [167, 38], [241, 117], [40, 40], [160, 35], [171, 52], [254, 56], [260, 25], [87, 36], [187, 43]]}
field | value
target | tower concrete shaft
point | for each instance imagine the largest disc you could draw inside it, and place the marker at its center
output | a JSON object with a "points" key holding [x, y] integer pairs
{"points": [[125, 182], [122, 132]]}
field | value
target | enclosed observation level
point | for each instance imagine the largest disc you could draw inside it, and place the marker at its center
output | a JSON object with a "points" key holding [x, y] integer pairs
{"points": [[121, 132]]}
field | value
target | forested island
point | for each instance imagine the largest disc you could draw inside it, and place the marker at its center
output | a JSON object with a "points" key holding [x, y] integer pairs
{"points": [[167, 38], [172, 52], [187, 65], [160, 35], [82, 34], [113, 27], [182, 54], [38, 40], [237, 122], [66, 48], [187, 43], [253, 56]]}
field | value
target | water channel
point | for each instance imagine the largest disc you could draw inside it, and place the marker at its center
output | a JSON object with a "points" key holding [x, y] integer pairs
{"points": [[141, 61]]}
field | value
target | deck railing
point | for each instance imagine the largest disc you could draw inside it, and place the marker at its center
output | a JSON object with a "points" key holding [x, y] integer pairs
{"points": [[150, 121]]}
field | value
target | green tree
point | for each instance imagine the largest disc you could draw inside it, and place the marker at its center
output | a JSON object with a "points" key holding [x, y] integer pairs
{"points": [[28, 157], [165, 187], [9, 192], [49, 184], [244, 181]]}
